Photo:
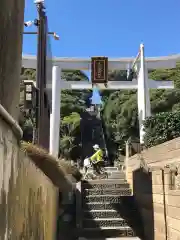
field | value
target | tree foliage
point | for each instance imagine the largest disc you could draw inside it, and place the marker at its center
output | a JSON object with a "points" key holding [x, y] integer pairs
{"points": [[70, 134], [167, 74], [161, 127]]}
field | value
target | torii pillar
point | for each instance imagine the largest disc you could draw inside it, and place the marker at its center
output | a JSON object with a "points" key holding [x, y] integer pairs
{"points": [[143, 86], [144, 107]]}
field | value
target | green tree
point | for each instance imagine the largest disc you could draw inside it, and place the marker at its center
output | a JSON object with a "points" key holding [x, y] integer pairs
{"points": [[70, 134], [167, 74], [161, 127]]}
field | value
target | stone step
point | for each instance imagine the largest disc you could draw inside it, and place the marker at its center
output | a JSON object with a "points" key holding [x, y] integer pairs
{"points": [[103, 198], [101, 206], [102, 214], [106, 181], [109, 169], [125, 202], [116, 238], [117, 191], [107, 185], [104, 222], [106, 232], [116, 175], [121, 173], [113, 175]]}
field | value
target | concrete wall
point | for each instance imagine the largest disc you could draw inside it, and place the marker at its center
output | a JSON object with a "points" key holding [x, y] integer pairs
{"points": [[28, 199], [11, 36], [158, 199]]}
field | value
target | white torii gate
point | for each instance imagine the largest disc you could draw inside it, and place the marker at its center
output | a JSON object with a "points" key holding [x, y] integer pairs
{"points": [[142, 84]]}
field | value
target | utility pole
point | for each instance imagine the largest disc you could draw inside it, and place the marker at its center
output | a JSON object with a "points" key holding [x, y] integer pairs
{"points": [[42, 105], [41, 70]]}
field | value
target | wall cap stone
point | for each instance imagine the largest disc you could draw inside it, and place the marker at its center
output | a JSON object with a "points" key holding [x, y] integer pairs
{"points": [[11, 122]]}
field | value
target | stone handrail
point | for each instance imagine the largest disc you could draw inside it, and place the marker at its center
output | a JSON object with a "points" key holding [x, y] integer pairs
{"points": [[173, 167], [11, 122]]}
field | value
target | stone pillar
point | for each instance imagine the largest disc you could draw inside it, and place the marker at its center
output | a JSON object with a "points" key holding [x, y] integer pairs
{"points": [[127, 158], [78, 205]]}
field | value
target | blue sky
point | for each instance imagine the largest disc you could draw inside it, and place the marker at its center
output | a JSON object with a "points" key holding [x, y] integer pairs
{"points": [[112, 28]]}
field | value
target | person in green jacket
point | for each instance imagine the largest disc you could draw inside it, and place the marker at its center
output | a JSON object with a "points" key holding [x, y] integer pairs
{"points": [[97, 159]]}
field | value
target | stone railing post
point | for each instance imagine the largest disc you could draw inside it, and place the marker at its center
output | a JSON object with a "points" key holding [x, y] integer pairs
{"points": [[127, 158], [78, 205]]}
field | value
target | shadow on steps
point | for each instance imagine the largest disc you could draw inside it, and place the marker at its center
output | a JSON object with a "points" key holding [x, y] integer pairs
{"points": [[143, 194], [128, 209]]}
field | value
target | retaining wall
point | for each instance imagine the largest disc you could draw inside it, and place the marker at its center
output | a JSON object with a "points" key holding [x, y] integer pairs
{"points": [[157, 193], [28, 199]]}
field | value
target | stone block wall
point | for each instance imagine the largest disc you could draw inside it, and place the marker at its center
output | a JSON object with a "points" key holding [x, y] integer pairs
{"points": [[158, 192], [28, 199]]}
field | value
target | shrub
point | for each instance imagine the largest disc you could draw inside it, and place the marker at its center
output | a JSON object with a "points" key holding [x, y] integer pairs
{"points": [[56, 170], [70, 169], [161, 127]]}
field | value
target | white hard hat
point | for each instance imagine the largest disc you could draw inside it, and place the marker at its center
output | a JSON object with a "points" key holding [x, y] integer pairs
{"points": [[96, 146]]}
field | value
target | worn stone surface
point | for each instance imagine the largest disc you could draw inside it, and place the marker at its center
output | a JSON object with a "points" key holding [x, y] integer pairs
{"points": [[27, 197]]}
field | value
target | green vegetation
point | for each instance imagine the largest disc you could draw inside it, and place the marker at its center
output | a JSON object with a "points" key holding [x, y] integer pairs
{"points": [[70, 134], [119, 112], [161, 128]]}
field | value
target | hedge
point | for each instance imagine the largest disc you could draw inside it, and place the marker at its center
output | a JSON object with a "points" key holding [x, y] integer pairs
{"points": [[161, 127]]}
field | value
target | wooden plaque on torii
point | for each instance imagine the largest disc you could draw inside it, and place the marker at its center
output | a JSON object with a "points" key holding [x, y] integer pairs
{"points": [[99, 70]]}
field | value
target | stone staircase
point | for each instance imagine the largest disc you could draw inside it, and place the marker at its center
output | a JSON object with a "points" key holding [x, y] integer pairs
{"points": [[108, 209]]}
